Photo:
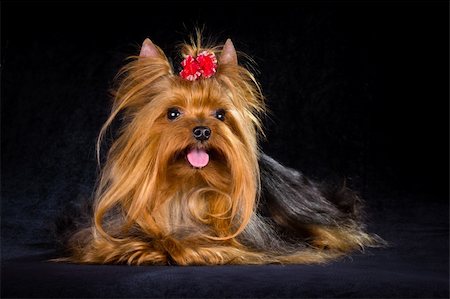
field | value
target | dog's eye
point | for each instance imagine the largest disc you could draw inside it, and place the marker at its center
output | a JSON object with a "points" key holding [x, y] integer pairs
{"points": [[220, 114], [173, 113]]}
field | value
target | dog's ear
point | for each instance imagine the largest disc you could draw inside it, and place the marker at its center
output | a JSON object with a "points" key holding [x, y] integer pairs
{"points": [[228, 55], [148, 49]]}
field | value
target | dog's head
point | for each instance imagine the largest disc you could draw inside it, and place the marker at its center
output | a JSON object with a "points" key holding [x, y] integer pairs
{"points": [[184, 138]]}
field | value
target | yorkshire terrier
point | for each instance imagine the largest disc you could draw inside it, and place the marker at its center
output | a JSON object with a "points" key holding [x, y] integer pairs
{"points": [[185, 183]]}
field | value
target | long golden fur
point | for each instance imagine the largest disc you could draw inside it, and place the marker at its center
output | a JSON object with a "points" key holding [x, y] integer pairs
{"points": [[152, 207]]}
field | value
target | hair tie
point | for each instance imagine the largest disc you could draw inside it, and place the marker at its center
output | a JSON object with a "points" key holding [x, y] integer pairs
{"points": [[204, 65]]}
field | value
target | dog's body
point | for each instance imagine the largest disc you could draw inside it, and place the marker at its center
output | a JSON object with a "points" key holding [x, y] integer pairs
{"points": [[185, 182]]}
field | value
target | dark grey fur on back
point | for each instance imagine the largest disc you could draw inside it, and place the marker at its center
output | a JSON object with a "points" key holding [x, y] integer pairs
{"points": [[290, 202], [289, 192]]}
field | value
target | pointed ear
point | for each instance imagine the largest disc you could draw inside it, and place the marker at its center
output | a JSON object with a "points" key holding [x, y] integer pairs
{"points": [[148, 49], [228, 55]]}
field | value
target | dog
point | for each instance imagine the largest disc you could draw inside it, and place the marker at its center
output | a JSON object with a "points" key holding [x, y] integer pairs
{"points": [[185, 182]]}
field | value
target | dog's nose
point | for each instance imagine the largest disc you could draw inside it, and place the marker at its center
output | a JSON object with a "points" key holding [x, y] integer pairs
{"points": [[201, 133]]}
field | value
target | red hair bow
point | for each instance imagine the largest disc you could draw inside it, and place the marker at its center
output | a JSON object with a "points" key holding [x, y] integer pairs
{"points": [[205, 64]]}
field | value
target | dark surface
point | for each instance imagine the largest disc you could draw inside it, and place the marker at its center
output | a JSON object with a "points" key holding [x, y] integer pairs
{"points": [[356, 90], [415, 265]]}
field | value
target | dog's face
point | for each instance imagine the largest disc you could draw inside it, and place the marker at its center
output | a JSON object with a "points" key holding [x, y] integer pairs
{"points": [[186, 147], [199, 137]]}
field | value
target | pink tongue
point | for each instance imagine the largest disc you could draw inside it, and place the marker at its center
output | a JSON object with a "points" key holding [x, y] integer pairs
{"points": [[198, 157]]}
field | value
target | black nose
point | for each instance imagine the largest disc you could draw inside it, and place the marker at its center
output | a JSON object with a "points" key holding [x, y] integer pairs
{"points": [[201, 133]]}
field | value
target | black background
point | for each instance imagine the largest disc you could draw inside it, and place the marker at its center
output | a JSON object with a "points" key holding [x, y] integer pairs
{"points": [[356, 90]]}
